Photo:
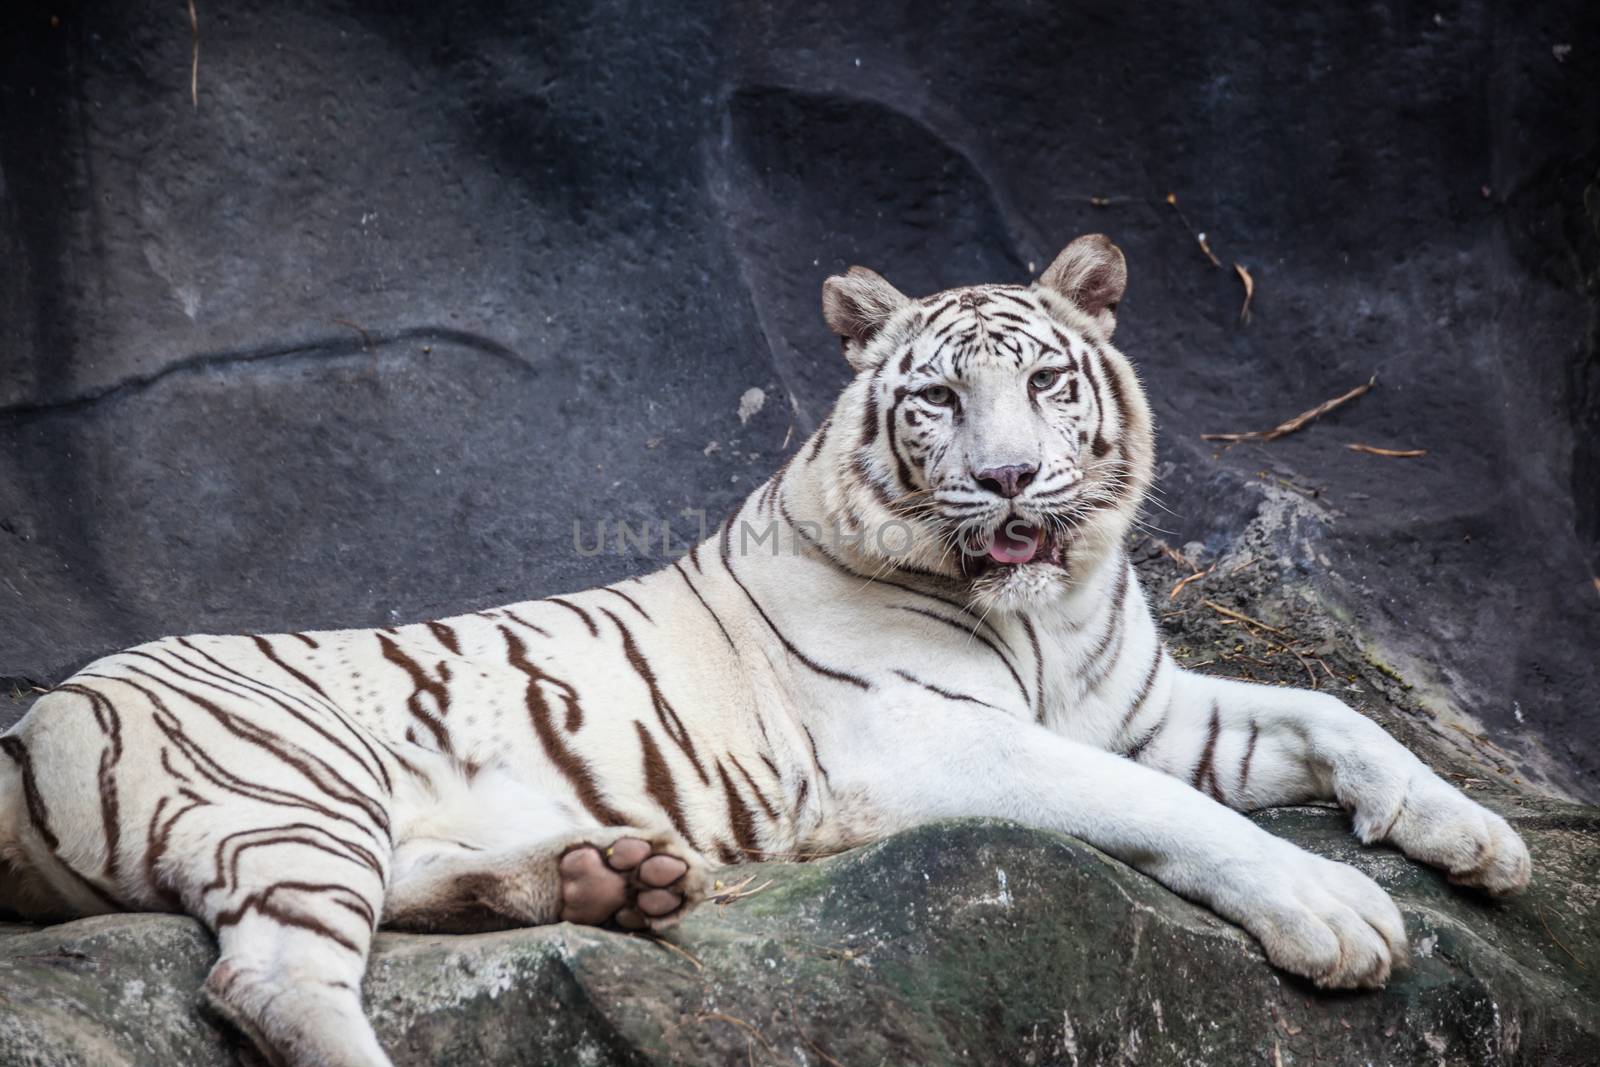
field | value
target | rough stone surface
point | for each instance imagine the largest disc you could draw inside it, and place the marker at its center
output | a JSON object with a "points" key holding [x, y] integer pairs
{"points": [[971, 942]]}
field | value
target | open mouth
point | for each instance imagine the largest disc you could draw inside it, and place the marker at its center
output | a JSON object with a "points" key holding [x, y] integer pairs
{"points": [[1014, 544]]}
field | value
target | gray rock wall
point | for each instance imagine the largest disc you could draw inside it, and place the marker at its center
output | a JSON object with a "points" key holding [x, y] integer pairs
{"points": [[360, 336]]}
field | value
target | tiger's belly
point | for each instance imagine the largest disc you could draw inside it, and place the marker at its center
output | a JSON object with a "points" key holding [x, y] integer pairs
{"points": [[612, 707]]}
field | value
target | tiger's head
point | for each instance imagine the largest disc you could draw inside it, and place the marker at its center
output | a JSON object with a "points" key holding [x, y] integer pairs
{"points": [[994, 425]]}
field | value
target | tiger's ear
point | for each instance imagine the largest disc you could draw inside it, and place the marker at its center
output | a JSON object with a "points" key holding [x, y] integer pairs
{"points": [[856, 304], [1092, 274]]}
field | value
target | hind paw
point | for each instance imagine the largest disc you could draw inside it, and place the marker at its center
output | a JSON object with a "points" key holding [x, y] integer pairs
{"points": [[634, 881]]}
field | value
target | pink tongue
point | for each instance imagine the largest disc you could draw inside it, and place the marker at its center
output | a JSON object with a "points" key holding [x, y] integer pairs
{"points": [[1010, 548]]}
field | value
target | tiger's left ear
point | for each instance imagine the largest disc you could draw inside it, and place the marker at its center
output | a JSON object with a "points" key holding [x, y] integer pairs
{"points": [[856, 304], [1092, 274]]}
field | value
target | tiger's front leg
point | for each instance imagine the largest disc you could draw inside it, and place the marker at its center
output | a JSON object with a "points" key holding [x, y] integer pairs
{"points": [[1255, 746], [898, 766]]}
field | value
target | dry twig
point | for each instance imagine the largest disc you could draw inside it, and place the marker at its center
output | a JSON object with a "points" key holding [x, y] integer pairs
{"points": [[1553, 937], [1284, 429], [737, 891], [194, 56], [747, 1027], [794, 1017], [366, 338], [1178, 557], [1200, 238], [668, 945], [1195, 577], [1396, 453], [1240, 617]]}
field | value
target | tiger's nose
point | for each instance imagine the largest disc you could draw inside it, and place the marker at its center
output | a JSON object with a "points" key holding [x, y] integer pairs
{"points": [[1007, 481]]}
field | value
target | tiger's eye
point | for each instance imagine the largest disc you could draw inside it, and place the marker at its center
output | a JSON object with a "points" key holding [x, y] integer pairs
{"points": [[942, 395], [1044, 379]]}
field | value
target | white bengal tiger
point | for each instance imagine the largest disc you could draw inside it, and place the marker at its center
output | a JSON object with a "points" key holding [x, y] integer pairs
{"points": [[587, 758]]}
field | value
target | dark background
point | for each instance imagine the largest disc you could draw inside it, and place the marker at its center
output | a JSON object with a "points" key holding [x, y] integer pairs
{"points": [[359, 337]]}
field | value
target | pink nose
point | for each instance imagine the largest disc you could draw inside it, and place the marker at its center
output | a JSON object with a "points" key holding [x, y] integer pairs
{"points": [[1008, 481]]}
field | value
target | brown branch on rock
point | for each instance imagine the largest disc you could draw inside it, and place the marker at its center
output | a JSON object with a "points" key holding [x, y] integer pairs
{"points": [[670, 947], [1553, 937], [1284, 429], [194, 56], [1239, 616], [366, 338], [723, 1017], [1200, 238], [1184, 582], [794, 1017], [1395, 453]]}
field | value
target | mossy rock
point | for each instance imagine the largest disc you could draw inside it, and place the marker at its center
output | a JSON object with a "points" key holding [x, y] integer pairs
{"points": [[964, 942]]}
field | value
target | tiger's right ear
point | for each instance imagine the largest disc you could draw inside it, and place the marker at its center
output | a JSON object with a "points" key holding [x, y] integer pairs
{"points": [[856, 304]]}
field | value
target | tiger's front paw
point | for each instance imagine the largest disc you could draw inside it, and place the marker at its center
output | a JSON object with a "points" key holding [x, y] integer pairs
{"points": [[1324, 920], [1437, 824]]}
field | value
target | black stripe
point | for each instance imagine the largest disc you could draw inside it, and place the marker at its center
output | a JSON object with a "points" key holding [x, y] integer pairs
{"points": [[808, 662], [814, 759], [445, 636], [714, 618], [629, 601], [670, 722], [1100, 447], [992, 647], [1038, 672], [902, 470], [1138, 747], [820, 437], [946, 693], [659, 784], [39, 817], [520, 621], [377, 769], [212, 771], [1205, 774], [1249, 753], [1143, 692], [740, 819], [594, 631], [311, 766], [1114, 629], [578, 772], [421, 683]]}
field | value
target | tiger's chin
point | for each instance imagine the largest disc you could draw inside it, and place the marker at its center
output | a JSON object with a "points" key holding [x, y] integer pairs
{"points": [[1019, 587], [1023, 566]]}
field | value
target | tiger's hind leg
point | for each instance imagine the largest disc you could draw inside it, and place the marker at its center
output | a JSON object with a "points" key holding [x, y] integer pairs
{"points": [[295, 992], [294, 902], [635, 879], [293, 896]]}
